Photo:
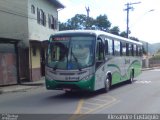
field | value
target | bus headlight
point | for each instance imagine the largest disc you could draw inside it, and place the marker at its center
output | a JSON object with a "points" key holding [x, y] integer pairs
{"points": [[48, 76], [86, 78]]}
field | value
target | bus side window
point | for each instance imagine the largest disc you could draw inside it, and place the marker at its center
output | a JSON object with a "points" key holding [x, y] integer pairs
{"points": [[130, 49], [99, 53], [106, 47], [134, 50], [110, 47], [137, 50], [116, 48], [127, 49], [124, 49], [140, 51], [113, 48]]}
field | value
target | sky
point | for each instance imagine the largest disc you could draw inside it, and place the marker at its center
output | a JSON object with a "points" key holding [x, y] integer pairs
{"points": [[144, 19]]}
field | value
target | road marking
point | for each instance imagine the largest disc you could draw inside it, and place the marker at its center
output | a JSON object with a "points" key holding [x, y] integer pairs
{"points": [[143, 82], [99, 100], [78, 110], [84, 115], [91, 105], [102, 106], [80, 104], [86, 108]]}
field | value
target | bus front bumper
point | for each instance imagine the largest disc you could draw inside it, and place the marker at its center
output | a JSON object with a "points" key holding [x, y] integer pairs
{"points": [[76, 85]]}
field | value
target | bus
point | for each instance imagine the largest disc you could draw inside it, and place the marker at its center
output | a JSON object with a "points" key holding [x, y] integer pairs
{"points": [[90, 60]]}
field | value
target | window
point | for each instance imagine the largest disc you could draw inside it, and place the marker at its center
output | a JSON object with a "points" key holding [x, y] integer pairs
{"points": [[116, 48], [129, 49], [110, 47], [41, 17], [139, 51], [56, 23], [52, 22], [123, 47], [99, 53], [99, 50], [106, 47], [134, 50], [34, 51], [32, 9]]}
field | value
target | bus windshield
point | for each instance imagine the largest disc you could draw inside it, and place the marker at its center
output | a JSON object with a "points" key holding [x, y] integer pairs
{"points": [[70, 53]]}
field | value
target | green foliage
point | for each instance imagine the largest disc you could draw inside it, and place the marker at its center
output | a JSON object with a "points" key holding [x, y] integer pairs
{"points": [[102, 23], [115, 30], [158, 51], [156, 57], [134, 38], [76, 22], [80, 21], [123, 34]]}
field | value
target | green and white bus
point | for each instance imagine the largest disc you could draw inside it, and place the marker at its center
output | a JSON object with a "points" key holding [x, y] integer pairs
{"points": [[90, 60]]}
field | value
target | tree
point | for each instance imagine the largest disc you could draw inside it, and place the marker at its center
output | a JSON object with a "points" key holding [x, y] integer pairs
{"points": [[158, 51], [134, 38], [115, 30], [63, 26], [102, 23], [123, 34], [76, 22], [79, 21]]}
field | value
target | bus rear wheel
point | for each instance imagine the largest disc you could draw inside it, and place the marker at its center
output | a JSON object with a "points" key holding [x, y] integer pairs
{"points": [[107, 84], [131, 77]]}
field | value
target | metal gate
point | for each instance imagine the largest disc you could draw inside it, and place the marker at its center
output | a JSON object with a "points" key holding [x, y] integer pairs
{"points": [[8, 67]]}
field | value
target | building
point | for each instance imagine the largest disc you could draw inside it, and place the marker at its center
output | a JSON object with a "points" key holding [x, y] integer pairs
{"points": [[25, 26]]}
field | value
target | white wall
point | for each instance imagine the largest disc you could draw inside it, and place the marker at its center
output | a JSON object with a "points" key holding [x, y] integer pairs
{"points": [[13, 20], [37, 31]]}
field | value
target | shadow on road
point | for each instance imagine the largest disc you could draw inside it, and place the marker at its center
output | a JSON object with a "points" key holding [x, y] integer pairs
{"points": [[86, 95], [122, 84]]}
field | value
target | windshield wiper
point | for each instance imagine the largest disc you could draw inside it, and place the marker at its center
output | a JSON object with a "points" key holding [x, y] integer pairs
{"points": [[75, 58]]}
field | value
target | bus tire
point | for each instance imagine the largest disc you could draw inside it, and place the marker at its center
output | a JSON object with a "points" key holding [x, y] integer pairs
{"points": [[107, 84], [68, 92], [131, 77]]}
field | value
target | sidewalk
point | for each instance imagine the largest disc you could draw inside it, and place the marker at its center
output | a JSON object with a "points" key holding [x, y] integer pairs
{"points": [[144, 69], [22, 87]]}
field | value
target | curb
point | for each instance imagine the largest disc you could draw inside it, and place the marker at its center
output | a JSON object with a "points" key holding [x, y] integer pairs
{"points": [[1, 91], [32, 84], [147, 69], [21, 88]]}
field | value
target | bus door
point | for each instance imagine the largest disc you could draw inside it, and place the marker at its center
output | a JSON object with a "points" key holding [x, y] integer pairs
{"points": [[100, 69]]}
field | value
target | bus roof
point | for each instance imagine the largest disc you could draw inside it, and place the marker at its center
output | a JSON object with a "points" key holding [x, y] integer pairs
{"points": [[96, 33]]}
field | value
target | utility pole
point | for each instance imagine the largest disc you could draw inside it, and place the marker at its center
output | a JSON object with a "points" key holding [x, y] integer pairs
{"points": [[129, 7], [87, 10]]}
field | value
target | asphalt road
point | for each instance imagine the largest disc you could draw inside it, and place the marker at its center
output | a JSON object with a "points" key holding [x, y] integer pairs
{"points": [[142, 96]]}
